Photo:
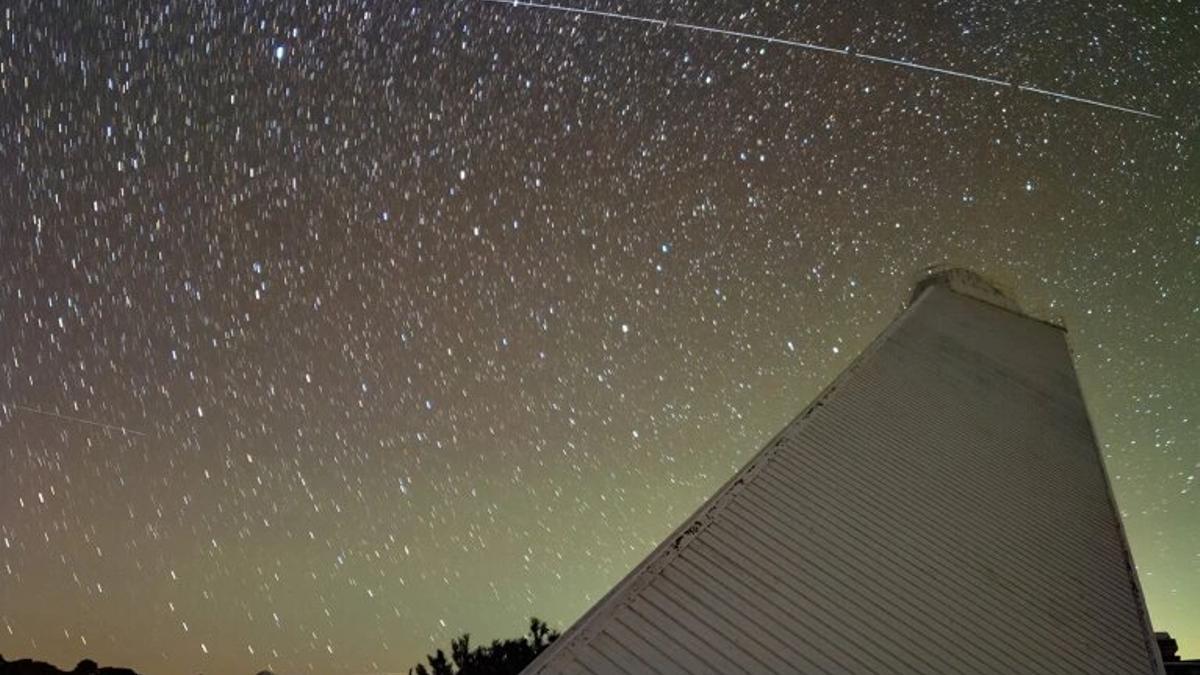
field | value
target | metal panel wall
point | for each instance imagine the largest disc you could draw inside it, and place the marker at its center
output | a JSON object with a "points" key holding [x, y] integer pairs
{"points": [[941, 508]]}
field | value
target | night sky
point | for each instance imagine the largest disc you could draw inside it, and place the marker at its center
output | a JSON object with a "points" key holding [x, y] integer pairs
{"points": [[438, 315]]}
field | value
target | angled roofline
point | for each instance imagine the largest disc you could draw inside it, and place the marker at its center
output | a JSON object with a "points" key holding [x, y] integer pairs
{"points": [[1139, 598], [686, 533]]}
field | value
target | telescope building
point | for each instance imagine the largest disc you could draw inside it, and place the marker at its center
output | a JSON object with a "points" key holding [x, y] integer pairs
{"points": [[942, 507]]}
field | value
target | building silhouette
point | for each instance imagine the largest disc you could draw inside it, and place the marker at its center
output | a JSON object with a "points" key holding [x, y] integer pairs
{"points": [[1169, 649], [942, 507]]}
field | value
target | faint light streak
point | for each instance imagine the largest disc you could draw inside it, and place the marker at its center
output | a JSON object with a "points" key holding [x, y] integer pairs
{"points": [[80, 420]]}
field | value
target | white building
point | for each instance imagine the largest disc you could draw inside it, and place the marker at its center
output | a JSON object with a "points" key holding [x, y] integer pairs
{"points": [[941, 508]]}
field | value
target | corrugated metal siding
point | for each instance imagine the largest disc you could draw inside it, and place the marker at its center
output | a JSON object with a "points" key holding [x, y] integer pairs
{"points": [[940, 508]]}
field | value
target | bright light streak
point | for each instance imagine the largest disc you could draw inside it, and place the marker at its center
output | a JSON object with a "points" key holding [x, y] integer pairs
{"points": [[826, 49]]}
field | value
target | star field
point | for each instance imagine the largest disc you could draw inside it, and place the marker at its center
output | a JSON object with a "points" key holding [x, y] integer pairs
{"points": [[438, 315]]}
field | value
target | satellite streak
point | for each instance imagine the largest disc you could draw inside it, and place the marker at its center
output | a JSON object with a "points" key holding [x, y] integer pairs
{"points": [[113, 427], [664, 23]]}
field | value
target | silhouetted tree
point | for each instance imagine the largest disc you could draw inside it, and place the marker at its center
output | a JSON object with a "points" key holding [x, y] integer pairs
{"points": [[540, 634], [439, 664], [31, 667], [502, 657]]}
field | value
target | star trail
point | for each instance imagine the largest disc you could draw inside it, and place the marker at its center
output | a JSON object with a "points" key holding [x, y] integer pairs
{"points": [[332, 330]]}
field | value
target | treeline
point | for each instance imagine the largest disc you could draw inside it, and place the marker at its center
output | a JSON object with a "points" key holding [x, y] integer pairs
{"points": [[501, 657], [31, 667]]}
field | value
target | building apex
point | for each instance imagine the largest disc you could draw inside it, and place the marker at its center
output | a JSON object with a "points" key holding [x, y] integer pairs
{"points": [[965, 282]]}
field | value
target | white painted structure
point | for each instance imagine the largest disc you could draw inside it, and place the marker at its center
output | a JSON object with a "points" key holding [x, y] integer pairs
{"points": [[941, 508]]}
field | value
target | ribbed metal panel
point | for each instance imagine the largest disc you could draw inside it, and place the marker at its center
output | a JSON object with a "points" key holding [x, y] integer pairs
{"points": [[941, 508]]}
